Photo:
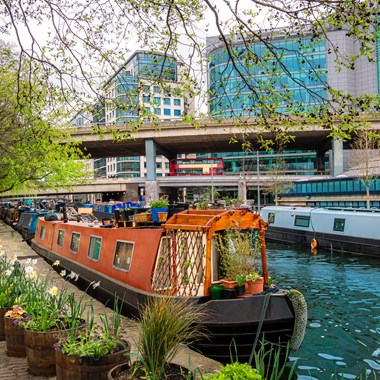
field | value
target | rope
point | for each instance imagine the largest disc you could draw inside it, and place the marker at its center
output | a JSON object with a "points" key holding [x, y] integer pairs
{"points": [[262, 316]]}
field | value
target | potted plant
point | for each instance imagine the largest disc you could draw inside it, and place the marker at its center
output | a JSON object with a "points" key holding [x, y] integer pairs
{"points": [[51, 313], [240, 288], [255, 283], [236, 371], [165, 325], [92, 351], [238, 253], [159, 206]]}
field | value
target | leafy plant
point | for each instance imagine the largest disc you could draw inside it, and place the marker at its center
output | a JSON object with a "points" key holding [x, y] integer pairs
{"points": [[253, 276], [238, 253], [235, 371], [160, 203], [94, 340], [165, 324], [241, 279]]}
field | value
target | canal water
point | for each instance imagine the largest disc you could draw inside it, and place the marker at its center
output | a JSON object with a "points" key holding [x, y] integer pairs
{"points": [[342, 291]]}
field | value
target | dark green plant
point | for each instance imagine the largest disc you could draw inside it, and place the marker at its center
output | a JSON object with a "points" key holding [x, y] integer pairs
{"points": [[160, 203], [165, 324], [241, 279]]}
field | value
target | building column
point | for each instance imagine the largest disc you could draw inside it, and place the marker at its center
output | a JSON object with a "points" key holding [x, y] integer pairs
{"points": [[320, 161], [337, 157], [151, 187]]}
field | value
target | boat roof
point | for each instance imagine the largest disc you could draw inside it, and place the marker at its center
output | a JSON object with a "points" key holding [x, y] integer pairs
{"points": [[197, 220]]}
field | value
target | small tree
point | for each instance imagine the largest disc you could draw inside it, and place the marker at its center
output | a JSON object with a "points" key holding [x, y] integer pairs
{"points": [[276, 182], [365, 158]]}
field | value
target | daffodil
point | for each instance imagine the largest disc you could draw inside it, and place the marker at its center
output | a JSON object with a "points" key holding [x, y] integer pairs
{"points": [[56, 263], [63, 273], [53, 291]]}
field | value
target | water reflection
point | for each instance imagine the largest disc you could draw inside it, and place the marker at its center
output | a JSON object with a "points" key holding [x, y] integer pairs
{"points": [[343, 296]]}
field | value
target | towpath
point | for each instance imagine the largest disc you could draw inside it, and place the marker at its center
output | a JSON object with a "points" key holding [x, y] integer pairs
{"points": [[17, 368]]}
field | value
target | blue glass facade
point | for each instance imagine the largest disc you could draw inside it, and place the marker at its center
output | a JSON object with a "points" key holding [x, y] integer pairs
{"points": [[295, 71]]}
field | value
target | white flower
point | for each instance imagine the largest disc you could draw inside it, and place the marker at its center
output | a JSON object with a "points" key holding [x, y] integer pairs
{"points": [[34, 261], [29, 270], [53, 291], [95, 284], [8, 272], [28, 261], [2, 253], [63, 273], [71, 275]]}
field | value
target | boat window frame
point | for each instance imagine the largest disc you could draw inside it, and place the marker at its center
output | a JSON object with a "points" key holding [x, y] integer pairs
{"points": [[61, 237], [42, 232], [271, 217], [129, 255], [304, 218], [89, 247], [71, 242], [338, 222]]}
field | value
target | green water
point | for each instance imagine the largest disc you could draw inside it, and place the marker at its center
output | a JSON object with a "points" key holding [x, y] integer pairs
{"points": [[343, 295]]}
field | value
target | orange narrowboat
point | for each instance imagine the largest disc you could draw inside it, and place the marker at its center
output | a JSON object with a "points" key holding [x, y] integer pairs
{"points": [[177, 258]]}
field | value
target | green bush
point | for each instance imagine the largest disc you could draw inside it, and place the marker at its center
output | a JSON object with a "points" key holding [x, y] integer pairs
{"points": [[235, 371]]}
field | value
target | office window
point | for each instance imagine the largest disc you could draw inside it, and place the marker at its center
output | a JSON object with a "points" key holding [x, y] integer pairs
{"points": [[157, 111], [95, 246], [339, 224], [75, 239], [157, 100], [302, 221], [177, 112], [166, 111], [123, 255], [167, 101], [146, 98], [61, 238], [156, 90], [177, 102]]}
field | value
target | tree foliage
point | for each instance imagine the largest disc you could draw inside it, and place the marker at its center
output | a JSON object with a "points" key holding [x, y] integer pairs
{"points": [[87, 41], [365, 158], [31, 149]]}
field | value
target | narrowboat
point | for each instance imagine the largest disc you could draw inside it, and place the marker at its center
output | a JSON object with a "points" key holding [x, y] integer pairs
{"points": [[348, 230], [27, 223], [176, 258]]}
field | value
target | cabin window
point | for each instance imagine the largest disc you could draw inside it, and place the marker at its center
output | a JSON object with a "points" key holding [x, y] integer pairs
{"points": [[75, 239], [42, 232], [94, 249], [61, 238], [123, 255], [271, 217], [339, 224], [302, 221]]}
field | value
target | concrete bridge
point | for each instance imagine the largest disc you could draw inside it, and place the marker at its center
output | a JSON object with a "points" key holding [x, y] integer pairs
{"points": [[202, 136]]}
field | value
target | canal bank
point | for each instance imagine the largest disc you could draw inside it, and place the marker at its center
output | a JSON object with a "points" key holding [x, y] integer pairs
{"points": [[17, 368]]}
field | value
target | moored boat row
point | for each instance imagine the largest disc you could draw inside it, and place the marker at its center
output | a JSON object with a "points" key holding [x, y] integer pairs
{"points": [[339, 229]]}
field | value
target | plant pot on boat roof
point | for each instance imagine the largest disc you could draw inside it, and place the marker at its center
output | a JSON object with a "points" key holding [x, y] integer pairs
{"points": [[254, 283], [238, 251], [93, 351], [160, 205], [165, 325]]}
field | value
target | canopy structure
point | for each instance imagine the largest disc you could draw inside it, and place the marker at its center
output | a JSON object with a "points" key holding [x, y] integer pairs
{"points": [[186, 255]]}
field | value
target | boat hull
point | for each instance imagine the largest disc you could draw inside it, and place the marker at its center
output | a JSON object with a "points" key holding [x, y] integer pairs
{"points": [[347, 244], [232, 334]]}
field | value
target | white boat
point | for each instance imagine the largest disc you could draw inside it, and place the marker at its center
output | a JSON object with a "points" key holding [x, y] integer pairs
{"points": [[340, 229]]}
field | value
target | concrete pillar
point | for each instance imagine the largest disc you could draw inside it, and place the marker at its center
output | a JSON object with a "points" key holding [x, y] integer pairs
{"points": [[151, 191], [320, 161], [337, 157], [150, 154]]}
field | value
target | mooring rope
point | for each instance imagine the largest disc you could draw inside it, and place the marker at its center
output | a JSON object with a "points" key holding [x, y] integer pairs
{"points": [[262, 316]]}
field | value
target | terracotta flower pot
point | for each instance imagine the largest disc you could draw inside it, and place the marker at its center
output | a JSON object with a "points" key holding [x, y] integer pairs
{"points": [[255, 287], [228, 284]]}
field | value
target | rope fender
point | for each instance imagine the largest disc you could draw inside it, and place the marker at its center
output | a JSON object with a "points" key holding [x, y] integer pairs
{"points": [[300, 318]]}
